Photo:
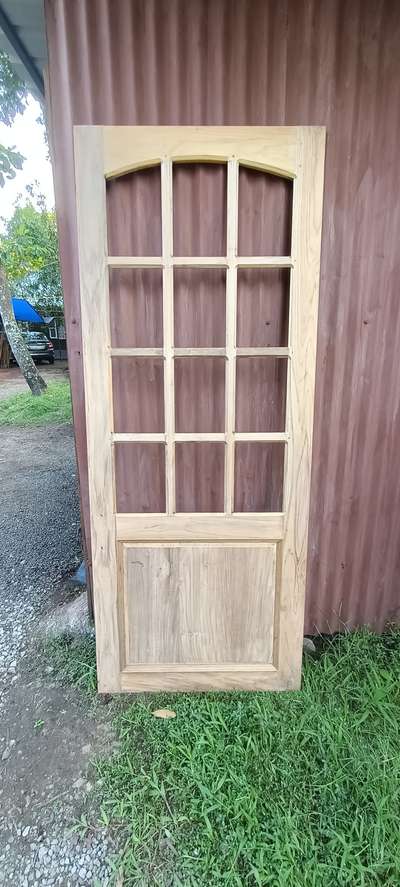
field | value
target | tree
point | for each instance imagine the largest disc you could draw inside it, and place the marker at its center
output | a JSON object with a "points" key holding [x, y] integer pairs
{"points": [[12, 101], [10, 161], [17, 341], [29, 255], [13, 91]]}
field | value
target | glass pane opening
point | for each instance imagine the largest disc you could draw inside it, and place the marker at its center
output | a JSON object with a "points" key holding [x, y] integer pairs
{"points": [[199, 307], [199, 205], [199, 394], [262, 307], [199, 476], [260, 394], [259, 470], [265, 213], [133, 204], [139, 477], [138, 394], [136, 311]]}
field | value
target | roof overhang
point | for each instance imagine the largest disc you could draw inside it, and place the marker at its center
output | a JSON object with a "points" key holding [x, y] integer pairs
{"points": [[23, 37]]}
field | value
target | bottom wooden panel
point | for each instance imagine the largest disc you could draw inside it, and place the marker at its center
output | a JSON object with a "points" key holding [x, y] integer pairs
{"points": [[197, 606]]}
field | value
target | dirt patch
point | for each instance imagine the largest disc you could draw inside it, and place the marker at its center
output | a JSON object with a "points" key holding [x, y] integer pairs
{"points": [[48, 783], [13, 382]]}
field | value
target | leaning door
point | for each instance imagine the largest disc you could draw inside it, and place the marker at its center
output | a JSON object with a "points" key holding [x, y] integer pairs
{"points": [[199, 385]]}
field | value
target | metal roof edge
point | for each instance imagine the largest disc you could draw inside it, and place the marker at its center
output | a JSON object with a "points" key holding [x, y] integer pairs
{"points": [[17, 47]]}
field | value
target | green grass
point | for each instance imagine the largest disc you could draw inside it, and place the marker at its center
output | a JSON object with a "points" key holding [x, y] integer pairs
{"points": [[54, 406], [74, 660], [246, 789]]}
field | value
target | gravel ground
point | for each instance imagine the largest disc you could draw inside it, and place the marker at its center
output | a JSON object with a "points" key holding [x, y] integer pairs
{"points": [[39, 528], [48, 733]]}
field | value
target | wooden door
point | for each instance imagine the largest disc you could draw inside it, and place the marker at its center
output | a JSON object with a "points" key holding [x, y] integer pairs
{"points": [[187, 598]]}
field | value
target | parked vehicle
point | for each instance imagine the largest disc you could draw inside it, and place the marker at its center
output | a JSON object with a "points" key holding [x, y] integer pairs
{"points": [[40, 347]]}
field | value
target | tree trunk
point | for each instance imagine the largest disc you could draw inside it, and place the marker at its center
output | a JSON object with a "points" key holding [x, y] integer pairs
{"points": [[5, 352], [16, 340]]}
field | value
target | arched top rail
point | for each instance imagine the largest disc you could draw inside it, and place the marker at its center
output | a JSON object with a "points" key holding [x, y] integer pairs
{"points": [[195, 158], [269, 149]]}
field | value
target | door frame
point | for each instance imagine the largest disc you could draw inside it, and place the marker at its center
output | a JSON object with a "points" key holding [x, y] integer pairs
{"points": [[296, 153]]}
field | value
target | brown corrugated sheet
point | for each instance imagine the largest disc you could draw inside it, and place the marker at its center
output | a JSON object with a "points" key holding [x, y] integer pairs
{"points": [[336, 63]]}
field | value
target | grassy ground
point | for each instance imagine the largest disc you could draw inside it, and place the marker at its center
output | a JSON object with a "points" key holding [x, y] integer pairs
{"points": [[74, 660], [289, 790], [54, 406]]}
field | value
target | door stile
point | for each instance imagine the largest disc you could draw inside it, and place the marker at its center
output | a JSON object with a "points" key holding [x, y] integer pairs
{"points": [[303, 317], [93, 273]]}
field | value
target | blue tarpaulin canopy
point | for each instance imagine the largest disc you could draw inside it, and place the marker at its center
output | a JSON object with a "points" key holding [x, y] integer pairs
{"points": [[24, 311]]}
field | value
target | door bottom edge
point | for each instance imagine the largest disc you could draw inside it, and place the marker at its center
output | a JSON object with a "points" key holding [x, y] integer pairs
{"points": [[206, 680]]}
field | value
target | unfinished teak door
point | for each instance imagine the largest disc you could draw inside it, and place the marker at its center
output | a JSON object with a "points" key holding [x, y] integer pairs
{"points": [[199, 404]]}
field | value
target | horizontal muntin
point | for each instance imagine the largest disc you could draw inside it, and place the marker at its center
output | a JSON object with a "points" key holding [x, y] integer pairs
{"points": [[266, 351], [133, 437], [262, 437], [202, 352], [200, 436], [199, 352], [136, 352], [200, 262], [183, 437], [134, 262]]}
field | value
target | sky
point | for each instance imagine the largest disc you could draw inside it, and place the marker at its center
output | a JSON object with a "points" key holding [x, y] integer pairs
{"points": [[27, 136]]}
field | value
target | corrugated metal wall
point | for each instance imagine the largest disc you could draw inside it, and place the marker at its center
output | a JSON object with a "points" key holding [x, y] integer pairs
{"points": [[336, 63]]}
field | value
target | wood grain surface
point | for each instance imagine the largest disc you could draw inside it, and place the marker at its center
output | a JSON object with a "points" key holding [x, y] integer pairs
{"points": [[185, 604]]}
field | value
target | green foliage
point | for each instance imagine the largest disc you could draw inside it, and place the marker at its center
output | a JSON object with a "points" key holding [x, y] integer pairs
{"points": [[287, 790], [13, 91], [13, 95], [53, 407], [29, 254], [10, 161]]}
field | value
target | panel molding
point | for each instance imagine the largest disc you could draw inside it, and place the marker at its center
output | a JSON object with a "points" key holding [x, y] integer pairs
{"points": [[214, 667], [185, 604]]}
